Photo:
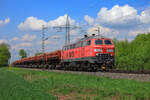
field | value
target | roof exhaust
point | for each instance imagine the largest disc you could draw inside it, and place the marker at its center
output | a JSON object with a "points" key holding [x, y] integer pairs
{"points": [[93, 34], [85, 36]]}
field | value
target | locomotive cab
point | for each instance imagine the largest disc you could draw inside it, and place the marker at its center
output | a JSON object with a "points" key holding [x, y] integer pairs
{"points": [[103, 46], [104, 51]]}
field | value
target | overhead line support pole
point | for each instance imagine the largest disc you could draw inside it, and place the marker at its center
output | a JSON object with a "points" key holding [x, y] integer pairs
{"points": [[43, 38]]}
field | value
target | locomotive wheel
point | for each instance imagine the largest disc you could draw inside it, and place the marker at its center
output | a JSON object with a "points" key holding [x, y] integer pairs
{"points": [[88, 67], [77, 66], [46, 66]]}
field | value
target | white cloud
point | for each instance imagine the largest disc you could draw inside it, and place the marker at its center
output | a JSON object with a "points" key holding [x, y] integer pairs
{"points": [[56, 37], [2, 41], [31, 23], [15, 39], [21, 45], [51, 40], [14, 47], [7, 20], [104, 31], [25, 44], [145, 16], [121, 18], [89, 19], [28, 37], [61, 20], [74, 32], [92, 30], [118, 17], [136, 32], [125, 20], [3, 22], [48, 42]]}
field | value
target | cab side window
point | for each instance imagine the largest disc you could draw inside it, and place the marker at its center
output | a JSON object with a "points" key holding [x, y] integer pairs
{"points": [[89, 42], [107, 42]]}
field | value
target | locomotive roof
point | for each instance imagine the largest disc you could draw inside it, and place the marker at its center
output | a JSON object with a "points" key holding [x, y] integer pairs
{"points": [[92, 37], [87, 38]]}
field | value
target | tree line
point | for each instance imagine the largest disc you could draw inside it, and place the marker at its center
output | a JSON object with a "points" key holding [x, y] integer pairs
{"points": [[5, 54], [134, 55]]}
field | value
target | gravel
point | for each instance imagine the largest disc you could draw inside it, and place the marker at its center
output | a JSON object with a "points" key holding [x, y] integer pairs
{"points": [[138, 77]]}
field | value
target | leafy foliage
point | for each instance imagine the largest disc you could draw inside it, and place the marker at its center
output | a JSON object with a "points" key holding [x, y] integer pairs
{"points": [[134, 55], [4, 54], [22, 53]]}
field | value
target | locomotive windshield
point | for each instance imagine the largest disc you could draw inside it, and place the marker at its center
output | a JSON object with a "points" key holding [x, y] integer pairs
{"points": [[108, 42], [98, 42]]}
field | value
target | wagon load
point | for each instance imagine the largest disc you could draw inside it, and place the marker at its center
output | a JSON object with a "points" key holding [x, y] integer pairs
{"points": [[46, 60]]}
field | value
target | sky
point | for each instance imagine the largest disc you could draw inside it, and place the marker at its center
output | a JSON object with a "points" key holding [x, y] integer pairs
{"points": [[21, 21]]}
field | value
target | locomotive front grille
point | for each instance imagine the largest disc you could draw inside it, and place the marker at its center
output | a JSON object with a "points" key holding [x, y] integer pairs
{"points": [[104, 56]]}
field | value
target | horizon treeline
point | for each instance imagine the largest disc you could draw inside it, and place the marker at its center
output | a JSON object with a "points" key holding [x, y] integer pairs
{"points": [[133, 55]]}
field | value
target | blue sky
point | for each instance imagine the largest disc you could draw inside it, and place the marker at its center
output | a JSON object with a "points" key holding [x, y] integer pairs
{"points": [[20, 20]]}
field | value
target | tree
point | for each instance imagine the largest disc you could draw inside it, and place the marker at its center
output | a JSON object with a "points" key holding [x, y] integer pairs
{"points": [[115, 40], [4, 54], [22, 53]]}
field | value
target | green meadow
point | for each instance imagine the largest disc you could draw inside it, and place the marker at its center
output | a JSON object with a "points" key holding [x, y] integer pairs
{"points": [[24, 84]]}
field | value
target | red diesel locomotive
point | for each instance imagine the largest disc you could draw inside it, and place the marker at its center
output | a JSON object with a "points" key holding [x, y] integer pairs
{"points": [[89, 53]]}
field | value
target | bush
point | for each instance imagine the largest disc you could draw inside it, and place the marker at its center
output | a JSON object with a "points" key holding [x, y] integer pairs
{"points": [[4, 54], [133, 55]]}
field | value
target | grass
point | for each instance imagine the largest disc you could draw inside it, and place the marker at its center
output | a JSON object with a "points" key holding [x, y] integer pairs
{"points": [[23, 84], [15, 87]]}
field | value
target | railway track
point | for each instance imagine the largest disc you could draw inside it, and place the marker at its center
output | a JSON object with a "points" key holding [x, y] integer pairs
{"points": [[130, 71], [114, 74]]}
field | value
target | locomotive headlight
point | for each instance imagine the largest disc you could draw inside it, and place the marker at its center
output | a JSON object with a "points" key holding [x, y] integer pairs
{"points": [[110, 50], [98, 50], [111, 54], [97, 54]]}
